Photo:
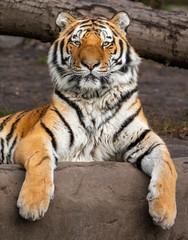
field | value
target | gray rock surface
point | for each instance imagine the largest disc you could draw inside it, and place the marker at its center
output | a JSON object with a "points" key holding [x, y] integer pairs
{"points": [[93, 201]]}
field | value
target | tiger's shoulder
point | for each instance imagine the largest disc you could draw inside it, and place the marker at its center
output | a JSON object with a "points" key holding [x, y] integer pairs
{"points": [[20, 123]]}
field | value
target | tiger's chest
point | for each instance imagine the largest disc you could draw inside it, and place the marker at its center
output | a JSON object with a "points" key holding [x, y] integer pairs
{"points": [[95, 126], [93, 144]]}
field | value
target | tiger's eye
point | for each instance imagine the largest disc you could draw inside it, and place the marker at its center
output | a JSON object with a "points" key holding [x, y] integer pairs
{"points": [[105, 44]]}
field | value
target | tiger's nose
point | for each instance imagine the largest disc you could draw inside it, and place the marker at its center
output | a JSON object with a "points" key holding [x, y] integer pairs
{"points": [[91, 65]]}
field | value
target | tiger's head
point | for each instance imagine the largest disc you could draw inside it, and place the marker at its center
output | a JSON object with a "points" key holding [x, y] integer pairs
{"points": [[92, 55]]}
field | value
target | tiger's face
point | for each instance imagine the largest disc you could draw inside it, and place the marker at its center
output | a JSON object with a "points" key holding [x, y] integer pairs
{"points": [[92, 55]]}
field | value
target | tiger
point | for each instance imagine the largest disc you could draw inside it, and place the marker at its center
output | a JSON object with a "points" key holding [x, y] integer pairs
{"points": [[94, 115]]}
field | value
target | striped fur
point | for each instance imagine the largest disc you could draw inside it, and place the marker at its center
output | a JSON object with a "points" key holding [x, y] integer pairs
{"points": [[95, 115]]}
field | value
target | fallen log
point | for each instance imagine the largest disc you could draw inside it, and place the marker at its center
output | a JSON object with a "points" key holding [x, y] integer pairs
{"points": [[103, 201], [158, 35]]}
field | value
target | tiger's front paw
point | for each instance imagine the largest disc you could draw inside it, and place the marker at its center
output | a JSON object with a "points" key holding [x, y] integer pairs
{"points": [[162, 206], [34, 199]]}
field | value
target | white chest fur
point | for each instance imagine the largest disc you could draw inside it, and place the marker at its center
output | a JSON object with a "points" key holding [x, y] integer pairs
{"points": [[95, 127]]}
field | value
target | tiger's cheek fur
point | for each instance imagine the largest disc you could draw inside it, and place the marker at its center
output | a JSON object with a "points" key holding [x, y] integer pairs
{"points": [[71, 49]]}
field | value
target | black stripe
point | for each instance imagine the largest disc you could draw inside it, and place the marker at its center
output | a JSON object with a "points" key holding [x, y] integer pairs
{"points": [[71, 31], [124, 69], [121, 47], [127, 95], [67, 50], [121, 52], [119, 63], [85, 25], [5, 121], [127, 158], [99, 25], [115, 51], [100, 20], [50, 134], [118, 104], [14, 125], [73, 78], [85, 21], [69, 40], [74, 36], [61, 51], [43, 112], [8, 158], [114, 32], [67, 58], [2, 150], [147, 152], [126, 123], [54, 59], [56, 159], [73, 105], [113, 29], [139, 139], [59, 69], [66, 124], [128, 59]]}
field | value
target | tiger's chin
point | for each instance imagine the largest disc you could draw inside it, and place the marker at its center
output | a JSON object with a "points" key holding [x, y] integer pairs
{"points": [[88, 86], [91, 86], [90, 82]]}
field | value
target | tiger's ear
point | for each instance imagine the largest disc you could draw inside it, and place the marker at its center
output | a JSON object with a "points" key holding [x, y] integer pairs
{"points": [[122, 20], [64, 19]]}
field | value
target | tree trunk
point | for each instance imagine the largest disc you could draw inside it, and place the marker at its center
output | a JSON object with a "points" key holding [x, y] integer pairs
{"points": [[104, 200], [158, 35]]}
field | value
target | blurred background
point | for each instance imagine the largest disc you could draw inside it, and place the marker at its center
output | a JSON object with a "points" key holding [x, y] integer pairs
{"points": [[169, 5]]}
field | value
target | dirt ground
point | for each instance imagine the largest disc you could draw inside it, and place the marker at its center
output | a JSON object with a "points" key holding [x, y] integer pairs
{"points": [[25, 84]]}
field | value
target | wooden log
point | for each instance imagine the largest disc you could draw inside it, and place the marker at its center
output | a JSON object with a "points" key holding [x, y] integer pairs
{"points": [[104, 201], [158, 35]]}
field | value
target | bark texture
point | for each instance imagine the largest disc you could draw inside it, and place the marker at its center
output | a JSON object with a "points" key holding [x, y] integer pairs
{"points": [[93, 201], [158, 35]]}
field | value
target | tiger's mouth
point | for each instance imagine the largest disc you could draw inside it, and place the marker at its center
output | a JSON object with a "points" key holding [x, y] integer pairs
{"points": [[89, 82]]}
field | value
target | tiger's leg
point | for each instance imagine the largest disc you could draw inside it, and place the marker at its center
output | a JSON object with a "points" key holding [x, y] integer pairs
{"points": [[154, 159], [38, 186]]}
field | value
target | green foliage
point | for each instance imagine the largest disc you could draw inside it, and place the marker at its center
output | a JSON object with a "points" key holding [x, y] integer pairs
{"points": [[42, 60], [177, 2], [4, 112], [168, 7], [163, 4], [28, 40]]}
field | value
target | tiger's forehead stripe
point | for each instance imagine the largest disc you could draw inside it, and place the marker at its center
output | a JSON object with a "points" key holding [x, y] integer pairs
{"points": [[94, 24], [91, 26], [84, 21], [85, 25]]}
